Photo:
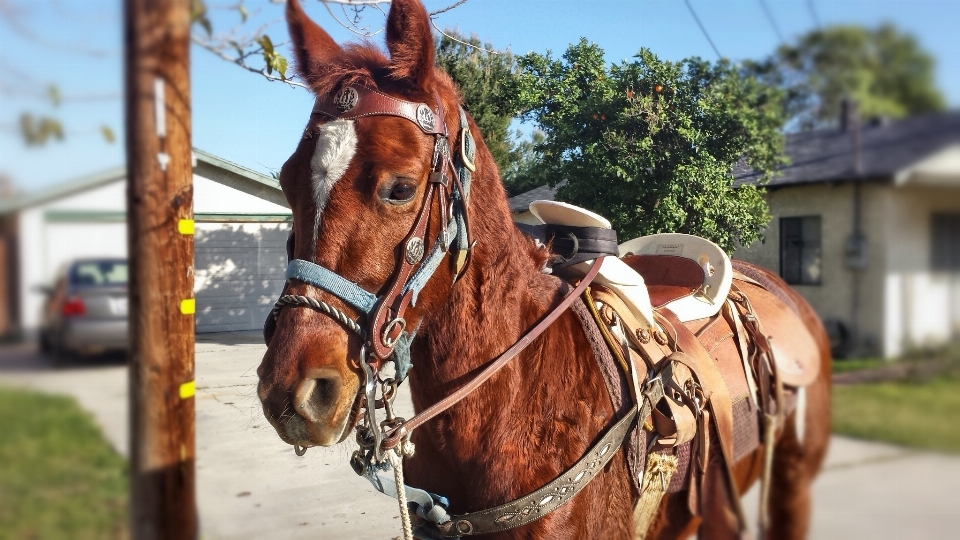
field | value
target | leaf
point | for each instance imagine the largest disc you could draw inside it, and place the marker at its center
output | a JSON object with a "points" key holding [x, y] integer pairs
{"points": [[53, 92], [266, 44], [237, 47], [198, 9], [280, 64], [243, 12], [108, 134], [205, 23]]}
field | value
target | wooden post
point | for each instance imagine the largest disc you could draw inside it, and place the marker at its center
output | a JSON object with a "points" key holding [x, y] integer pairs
{"points": [[160, 242]]}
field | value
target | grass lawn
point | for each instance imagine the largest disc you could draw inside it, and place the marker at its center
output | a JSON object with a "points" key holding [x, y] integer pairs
{"points": [[857, 364], [59, 478], [921, 414]]}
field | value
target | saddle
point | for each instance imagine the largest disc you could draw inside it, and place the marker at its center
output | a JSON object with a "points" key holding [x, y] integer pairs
{"points": [[675, 306]]}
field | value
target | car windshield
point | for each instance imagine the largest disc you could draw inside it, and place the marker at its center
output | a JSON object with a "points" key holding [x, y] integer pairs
{"points": [[99, 273]]}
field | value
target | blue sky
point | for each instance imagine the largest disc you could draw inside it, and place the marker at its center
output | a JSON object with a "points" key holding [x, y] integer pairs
{"points": [[239, 116]]}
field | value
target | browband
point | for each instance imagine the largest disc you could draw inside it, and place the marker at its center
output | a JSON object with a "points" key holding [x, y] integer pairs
{"points": [[353, 102]]}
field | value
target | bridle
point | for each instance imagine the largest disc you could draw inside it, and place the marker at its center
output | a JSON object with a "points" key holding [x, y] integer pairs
{"points": [[383, 329], [385, 336]]}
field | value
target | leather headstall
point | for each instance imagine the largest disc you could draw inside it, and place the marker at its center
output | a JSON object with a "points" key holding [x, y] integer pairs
{"points": [[384, 324]]}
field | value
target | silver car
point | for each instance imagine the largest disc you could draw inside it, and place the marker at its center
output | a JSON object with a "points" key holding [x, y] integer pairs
{"points": [[86, 309]]}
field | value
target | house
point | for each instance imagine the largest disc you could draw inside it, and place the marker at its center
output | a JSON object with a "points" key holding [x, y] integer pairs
{"points": [[242, 223], [866, 226]]}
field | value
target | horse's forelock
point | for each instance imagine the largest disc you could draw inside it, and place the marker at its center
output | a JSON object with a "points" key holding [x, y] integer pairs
{"points": [[358, 65]]}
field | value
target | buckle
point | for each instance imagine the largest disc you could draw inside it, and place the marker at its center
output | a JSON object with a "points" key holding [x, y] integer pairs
{"points": [[438, 177]]}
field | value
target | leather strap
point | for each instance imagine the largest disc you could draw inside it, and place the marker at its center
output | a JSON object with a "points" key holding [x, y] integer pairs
{"points": [[720, 404], [387, 322], [733, 319], [551, 496], [353, 102], [393, 437], [652, 351]]}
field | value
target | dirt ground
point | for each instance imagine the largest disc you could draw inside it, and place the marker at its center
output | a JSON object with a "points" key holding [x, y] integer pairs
{"points": [[251, 485]]}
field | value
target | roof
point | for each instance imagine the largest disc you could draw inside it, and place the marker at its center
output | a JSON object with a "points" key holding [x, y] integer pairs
{"points": [[521, 202], [207, 165], [886, 148]]}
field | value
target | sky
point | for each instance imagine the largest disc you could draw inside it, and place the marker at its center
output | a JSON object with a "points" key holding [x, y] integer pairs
{"points": [[241, 117]]}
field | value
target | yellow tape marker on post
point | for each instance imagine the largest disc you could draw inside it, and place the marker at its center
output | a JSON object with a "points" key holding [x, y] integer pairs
{"points": [[188, 389], [188, 306], [185, 226]]}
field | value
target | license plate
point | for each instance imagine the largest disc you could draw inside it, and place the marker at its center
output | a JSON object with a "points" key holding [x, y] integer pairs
{"points": [[118, 306]]}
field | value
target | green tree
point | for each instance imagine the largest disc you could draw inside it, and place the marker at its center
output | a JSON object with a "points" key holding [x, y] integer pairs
{"points": [[484, 75], [884, 71], [651, 144]]}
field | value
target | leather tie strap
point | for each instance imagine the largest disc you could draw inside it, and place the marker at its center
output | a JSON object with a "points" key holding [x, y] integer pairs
{"points": [[393, 437]]}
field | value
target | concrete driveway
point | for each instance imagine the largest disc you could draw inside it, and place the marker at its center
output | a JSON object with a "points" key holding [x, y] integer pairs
{"points": [[252, 485]]}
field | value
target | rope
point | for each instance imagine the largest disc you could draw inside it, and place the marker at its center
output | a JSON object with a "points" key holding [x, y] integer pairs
{"points": [[397, 464], [334, 313]]}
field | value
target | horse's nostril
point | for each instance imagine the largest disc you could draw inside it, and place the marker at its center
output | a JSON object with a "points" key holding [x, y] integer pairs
{"points": [[315, 398]]}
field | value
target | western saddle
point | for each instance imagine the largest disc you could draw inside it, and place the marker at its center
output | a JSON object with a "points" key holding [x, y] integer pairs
{"points": [[674, 306]]}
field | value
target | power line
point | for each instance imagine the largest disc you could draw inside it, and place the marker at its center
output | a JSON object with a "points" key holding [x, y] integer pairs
{"points": [[702, 28], [773, 22], [813, 13]]}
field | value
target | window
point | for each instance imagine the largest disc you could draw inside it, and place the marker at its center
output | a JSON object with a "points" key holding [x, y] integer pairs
{"points": [[945, 245], [99, 273], [800, 262]]}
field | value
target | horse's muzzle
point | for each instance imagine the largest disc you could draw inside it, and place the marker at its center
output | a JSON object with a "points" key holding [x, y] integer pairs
{"points": [[316, 412]]}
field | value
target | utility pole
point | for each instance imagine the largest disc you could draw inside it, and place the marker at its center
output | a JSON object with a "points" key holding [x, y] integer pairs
{"points": [[160, 247]]}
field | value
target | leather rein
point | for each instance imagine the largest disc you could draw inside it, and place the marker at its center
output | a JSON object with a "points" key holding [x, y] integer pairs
{"points": [[385, 335]]}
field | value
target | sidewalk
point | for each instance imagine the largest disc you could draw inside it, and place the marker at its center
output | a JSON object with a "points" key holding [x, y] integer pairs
{"points": [[251, 484]]}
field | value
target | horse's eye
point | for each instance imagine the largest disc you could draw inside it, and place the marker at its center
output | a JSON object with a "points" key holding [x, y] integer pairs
{"points": [[402, 192]]}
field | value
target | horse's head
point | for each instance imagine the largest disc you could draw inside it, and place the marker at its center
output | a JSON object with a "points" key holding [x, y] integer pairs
{"points": [[368, 205]]}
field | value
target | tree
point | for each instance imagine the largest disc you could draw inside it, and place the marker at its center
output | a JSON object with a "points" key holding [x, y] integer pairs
{"points": [[481, 74], [650, 144], [884, 71], [484, 76]]}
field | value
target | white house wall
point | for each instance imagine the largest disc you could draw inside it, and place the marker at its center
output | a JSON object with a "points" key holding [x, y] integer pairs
{"points": [[42, 252], [212, 197], [245, 249], [922, 306]]}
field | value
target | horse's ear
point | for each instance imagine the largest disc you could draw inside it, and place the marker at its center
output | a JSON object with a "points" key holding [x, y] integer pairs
{"points": [[410, 42], [312, 45]]}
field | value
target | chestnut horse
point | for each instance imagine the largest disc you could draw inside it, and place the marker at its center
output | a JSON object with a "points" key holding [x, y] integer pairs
{"points": [[355, 187]]}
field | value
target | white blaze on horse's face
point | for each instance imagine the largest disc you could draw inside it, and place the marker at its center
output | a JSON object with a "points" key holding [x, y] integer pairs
{"points": [[336, 145]]}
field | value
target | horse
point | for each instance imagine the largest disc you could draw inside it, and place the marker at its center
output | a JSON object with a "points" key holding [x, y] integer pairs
{"points": [[357, 188]]}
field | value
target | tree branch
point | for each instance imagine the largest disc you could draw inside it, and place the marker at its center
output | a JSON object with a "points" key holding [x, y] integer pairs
{"points": [[240, 60]]}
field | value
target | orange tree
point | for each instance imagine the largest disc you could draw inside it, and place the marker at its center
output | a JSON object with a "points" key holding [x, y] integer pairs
{"points": [[651, 144]]}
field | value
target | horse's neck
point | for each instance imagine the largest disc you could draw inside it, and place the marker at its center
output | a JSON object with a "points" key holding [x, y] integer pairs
{"points": [[487, 311]]}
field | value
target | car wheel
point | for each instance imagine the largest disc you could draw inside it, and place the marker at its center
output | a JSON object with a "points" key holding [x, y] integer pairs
{"points": [[45, 344], [61, 356]]}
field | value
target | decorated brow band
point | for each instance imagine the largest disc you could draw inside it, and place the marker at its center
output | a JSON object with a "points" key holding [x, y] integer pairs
{"points": [[359, 101]]}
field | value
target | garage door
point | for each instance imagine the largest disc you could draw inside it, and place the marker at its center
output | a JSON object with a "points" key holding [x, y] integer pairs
{"points": [[239, 273]]}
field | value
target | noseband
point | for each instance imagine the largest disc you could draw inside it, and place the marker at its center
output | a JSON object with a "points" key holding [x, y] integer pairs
{"points": [[383, 330]]}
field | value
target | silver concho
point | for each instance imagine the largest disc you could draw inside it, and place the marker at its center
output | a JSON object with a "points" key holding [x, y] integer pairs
{"points": [[414, 250], [346, 99], [425, 117]]}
